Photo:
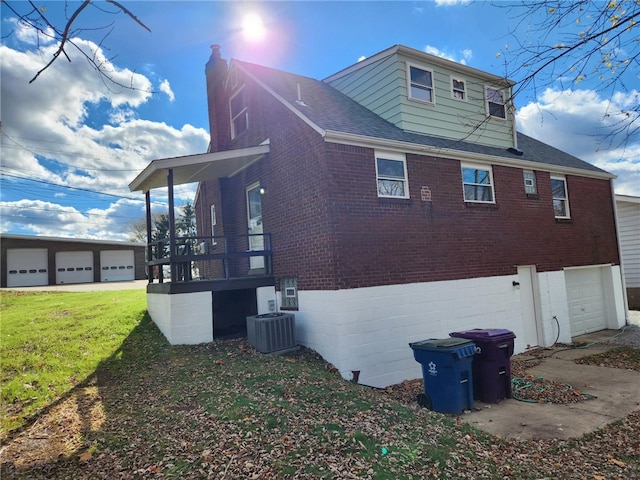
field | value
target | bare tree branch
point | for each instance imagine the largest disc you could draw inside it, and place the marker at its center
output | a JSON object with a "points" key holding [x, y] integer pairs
{"points": [[125, 10], [63, 40], [36, 18]]}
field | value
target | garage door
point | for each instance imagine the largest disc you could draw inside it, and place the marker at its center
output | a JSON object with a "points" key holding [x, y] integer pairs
{"points": [[74, 267], [117, 266], [27, 267], [585, 293]]}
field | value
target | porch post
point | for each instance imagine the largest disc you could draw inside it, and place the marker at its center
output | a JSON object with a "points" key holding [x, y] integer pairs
{"points": [[172, 227], [147, 201]]}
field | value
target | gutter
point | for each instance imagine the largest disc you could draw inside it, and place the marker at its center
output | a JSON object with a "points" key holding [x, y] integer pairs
{"points": [[407, 147]]}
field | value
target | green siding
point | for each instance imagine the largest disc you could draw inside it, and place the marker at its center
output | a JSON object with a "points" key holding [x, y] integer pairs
{"points": [[382, 88]]}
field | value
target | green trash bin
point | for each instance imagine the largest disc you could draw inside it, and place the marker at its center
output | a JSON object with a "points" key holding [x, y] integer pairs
{"points": [[447, 373]]}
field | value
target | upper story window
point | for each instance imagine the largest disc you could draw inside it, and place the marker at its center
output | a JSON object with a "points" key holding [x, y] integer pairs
{"points": [[560, 197], [458, 89], [496, 103], [530, 187], [421, 84], [477, 182], [239, 115], [391, 174]]}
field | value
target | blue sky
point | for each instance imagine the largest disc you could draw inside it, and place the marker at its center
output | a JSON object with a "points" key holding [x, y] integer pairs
{"points": [[71, 144]]}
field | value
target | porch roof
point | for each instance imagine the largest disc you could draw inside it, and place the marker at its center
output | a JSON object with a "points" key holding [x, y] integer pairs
{"points": [[197, 168]]}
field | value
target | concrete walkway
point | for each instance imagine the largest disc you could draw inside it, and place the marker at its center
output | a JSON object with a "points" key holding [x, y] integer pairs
{"points": [[617, 392]]}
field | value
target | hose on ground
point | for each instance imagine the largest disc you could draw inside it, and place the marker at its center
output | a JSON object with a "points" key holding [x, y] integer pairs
{"points": [[520, 385]]}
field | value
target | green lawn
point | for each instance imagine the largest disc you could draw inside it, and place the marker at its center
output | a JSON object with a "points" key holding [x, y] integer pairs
{"points": [[98, 393], [53, 341]]}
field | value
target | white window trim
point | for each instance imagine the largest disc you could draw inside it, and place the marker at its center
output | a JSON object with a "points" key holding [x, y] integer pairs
{"points": [[233, 77], [504, 104], [242, 112], [392, 156], [565, 199], [478, 166], [433, 84], [464, 91], [214, 222]]}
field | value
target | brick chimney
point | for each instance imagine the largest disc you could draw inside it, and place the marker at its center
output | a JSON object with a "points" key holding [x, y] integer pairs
{"points": [[216, 72]]}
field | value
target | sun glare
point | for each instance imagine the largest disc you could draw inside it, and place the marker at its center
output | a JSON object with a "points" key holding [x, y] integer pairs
{"points": [[253, 27]]}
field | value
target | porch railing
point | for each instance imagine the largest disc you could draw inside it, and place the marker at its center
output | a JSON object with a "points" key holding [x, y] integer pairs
{"points": [[209, 258]]}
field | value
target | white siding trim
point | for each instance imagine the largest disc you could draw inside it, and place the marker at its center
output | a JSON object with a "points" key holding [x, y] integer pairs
{"points": [[373, 142]]}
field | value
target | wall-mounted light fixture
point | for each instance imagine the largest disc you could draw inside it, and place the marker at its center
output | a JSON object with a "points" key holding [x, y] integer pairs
{"points": [[516, 284], [262, 191]]}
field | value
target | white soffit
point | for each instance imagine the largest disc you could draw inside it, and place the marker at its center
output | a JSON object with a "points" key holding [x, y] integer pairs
{"points": [[197, 168]]}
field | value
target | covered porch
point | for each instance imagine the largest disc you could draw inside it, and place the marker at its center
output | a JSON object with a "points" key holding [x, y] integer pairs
{"points": [[201, 287]]}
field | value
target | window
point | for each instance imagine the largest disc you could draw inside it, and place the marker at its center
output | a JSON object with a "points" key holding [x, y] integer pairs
{"points": [[495, 103], [391, 173], [458, 89], [239, 117], [420, 84], [530, 187], [213, 225], [477, 183], [560, 197]]}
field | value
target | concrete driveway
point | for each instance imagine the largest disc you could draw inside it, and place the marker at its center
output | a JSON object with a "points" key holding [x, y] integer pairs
{"points": [[617, 392]]}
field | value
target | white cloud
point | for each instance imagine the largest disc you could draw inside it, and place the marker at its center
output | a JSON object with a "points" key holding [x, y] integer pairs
{"points": [[52, 219], [31, 36], [49, 119], [166, 88], [448, 3], [586, 124], [466, 54]]}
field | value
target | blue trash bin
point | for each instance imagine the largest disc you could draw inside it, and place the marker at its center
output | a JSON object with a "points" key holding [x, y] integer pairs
{"points": [[447, 373]]}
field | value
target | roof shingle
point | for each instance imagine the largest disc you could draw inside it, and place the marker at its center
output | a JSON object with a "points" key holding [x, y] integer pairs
{"points": [[331, 110]]}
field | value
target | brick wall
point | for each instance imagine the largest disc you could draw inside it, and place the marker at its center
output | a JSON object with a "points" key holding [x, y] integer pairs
{"points": [[388, 241], [331, 231]]}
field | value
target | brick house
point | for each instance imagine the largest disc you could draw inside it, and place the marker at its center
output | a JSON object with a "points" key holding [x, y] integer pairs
{"points": [[391, 202]]}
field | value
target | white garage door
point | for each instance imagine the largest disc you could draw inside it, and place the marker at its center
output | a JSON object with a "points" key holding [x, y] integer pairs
{"points": [[74, 267], [585, 293], [117, 265], [27, 267]]}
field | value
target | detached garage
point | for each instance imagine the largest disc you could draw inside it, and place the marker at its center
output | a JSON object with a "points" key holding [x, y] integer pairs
{"points": [[36, 261]]}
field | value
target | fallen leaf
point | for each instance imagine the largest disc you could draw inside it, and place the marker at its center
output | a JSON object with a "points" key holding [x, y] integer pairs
{"points": [[86, 456], [617, 462], [219, 362]]}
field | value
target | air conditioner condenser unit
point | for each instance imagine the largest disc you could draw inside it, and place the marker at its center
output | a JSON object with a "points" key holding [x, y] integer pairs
{"points": [[271, 332]]}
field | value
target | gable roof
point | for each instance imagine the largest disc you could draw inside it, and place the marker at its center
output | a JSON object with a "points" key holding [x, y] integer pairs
{"points": [[340, 119], [422, 57]]}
